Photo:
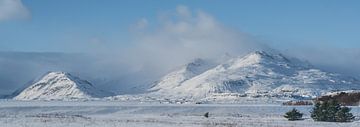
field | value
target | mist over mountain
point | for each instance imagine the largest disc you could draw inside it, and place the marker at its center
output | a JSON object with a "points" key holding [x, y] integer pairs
{"points": [[256, 74], [157, 46], [20, 68]]}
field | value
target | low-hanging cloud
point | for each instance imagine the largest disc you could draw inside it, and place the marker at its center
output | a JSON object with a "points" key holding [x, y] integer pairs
{"points": [[182, 34], [341, 60], [13, 10], [175, 38]]}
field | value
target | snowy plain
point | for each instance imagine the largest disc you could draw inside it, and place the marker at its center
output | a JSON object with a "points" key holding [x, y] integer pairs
{"points": [[127, 114]]}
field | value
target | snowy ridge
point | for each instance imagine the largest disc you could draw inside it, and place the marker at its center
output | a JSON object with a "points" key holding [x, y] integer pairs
{"points": [[60, 86], [177, 77], [257, 77], [258, 74]]}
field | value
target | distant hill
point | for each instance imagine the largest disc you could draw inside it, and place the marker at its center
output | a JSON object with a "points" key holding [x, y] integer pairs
{"points": [[345, 98], [60, 86]]}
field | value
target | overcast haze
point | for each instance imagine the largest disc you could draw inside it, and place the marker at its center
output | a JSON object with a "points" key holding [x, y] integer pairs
{"points": [[121, 44]]}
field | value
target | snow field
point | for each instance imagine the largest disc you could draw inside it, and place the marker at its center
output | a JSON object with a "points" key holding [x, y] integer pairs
{"points": [[120, 114]]}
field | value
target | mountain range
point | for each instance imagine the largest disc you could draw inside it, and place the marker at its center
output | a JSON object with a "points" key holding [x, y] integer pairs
{"points": [[257, 74]]}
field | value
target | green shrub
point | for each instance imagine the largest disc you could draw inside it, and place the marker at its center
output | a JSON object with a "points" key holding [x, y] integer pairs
{"points": [[344, 115], [206, 115], [331, 111], [293, 115]]}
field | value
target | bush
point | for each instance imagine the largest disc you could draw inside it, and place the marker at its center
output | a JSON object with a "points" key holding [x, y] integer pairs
{"points": [[206, 115], [344, 115], [293, 115], [300, 102], [331, 111]]}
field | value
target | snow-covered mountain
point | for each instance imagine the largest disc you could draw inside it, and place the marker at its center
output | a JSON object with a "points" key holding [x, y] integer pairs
{"points": [[183, 73], [258, 74], [60, 86]]}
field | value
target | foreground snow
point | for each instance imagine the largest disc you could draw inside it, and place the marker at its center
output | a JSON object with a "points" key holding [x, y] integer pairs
{"points": [[120, 114]]}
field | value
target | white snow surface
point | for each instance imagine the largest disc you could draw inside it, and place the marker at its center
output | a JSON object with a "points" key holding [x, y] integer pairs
{"points": [[178, 76], [60, 86], [118, 114], [258, 74]]}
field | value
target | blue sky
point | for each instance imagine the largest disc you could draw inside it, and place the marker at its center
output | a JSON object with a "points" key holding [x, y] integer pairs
{"points": [[56, 25]]}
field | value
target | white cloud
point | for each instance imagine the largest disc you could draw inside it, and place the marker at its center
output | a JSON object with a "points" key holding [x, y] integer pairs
{"points": [[13, 9], [183, 11], [142, 24], [183, 35], [334, 59]]}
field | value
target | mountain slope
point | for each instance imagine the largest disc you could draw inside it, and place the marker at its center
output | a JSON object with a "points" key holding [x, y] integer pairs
{"points": [[261, 74], [60, 86], [178, 76]]}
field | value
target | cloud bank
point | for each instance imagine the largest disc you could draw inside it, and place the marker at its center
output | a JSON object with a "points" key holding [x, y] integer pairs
{"points": [[175, 38], [13, 10], [341, 60], [182, 34]]}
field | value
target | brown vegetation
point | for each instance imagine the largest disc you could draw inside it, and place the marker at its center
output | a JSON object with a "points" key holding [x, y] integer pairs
{"points": [[346, 99], [300, 102]]}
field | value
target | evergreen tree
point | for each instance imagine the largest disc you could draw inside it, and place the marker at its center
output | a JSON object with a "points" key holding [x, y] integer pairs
{"points": [[331, 111], [344, 115], [332, 108], [206, 115], [293, 115], [319, 112]]}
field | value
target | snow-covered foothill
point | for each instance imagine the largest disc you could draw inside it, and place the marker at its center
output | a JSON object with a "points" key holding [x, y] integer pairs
{"points": [[60, 86]]}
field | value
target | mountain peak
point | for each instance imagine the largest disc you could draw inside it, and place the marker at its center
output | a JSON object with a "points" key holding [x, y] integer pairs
{"points": [[268, 55], [60, 86], [260, 52], [258, 73], [195, 64], [185, 72], [59, 73]]}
